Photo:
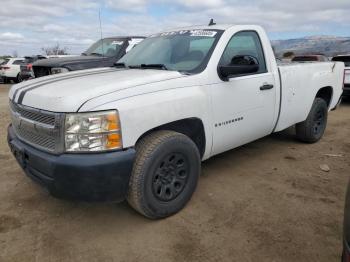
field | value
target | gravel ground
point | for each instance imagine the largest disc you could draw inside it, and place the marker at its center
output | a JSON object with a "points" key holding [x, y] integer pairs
{"points": [[266, 201]]}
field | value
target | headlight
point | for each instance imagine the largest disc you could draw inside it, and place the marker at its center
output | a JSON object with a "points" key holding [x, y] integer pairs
{"points": [[99, 131], [58, 70]]}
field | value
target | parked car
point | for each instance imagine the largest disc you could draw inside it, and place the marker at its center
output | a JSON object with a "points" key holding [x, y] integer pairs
{"points": [[139, 130], [310, 58], [346, 60], [103, 53], [27, 66], [10, 70]]}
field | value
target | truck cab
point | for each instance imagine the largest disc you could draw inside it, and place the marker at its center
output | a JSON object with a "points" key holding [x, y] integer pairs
{"points": [[139, 131]]}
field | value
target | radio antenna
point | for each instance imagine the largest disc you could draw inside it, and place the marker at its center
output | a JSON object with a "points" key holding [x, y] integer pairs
{"points": [[99, 18], [211, 22]]}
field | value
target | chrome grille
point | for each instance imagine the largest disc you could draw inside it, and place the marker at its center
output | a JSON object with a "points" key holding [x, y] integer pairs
{"points": [[41, 140], [42, 129]]}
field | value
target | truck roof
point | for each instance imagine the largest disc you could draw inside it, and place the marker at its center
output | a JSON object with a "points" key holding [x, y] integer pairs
{"points": [[210, 27]]}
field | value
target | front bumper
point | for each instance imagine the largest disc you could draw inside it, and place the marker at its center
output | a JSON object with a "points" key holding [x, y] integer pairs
{"points": [[87, 177]]}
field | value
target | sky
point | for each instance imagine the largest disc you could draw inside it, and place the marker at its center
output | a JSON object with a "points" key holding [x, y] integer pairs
{"points": [[26, 26]]}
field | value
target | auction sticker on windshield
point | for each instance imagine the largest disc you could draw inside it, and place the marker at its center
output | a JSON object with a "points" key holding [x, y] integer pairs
{"points": [[201, 33], [117, 42]]}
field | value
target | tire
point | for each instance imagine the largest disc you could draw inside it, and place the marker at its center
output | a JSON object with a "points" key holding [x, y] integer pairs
{"points": [[313, 128], [164, 175], [19, 78]]}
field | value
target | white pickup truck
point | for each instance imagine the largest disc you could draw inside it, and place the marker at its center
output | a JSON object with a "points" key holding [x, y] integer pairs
{"points": [[140, 130]]}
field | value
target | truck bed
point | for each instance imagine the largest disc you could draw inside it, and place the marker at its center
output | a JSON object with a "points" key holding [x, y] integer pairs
{"points": [[300, 84]]}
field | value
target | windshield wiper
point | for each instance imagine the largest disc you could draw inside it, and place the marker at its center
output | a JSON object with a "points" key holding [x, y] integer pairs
{"points": [[97, 54], [119, 65], [149, 66]]}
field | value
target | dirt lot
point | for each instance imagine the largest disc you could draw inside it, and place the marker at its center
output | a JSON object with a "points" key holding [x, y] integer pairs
{"points": [[267, 201]]}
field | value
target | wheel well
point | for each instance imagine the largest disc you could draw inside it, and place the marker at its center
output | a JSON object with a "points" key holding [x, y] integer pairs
{"points": [[191, 127], [326, 94]]}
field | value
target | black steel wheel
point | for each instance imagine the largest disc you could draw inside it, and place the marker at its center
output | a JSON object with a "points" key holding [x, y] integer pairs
{"points": [[319, 122], [171, 176], [165, 174], [313, 128]]}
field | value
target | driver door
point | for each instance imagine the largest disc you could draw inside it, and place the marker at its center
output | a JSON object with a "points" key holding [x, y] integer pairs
{"points": [[243, 105]]}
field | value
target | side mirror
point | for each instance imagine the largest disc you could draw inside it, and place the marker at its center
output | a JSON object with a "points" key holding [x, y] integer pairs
{"points": [[240, 65]]}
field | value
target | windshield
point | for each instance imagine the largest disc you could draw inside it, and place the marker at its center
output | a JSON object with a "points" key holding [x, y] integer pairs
{"points": [[345, 59], [184, 51], [105, 47]]}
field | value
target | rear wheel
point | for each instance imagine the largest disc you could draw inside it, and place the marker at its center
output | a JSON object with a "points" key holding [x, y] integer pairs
{"points": [[313, 128], [164, 175], [19, 78]]}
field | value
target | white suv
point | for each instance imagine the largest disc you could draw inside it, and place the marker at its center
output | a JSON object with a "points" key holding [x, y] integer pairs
{"points": [[10, 69]]}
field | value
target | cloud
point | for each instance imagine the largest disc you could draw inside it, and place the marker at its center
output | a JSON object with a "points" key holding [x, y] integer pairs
{"points": [[74, 23], [127, 5], [201, 4], [11, 36]]}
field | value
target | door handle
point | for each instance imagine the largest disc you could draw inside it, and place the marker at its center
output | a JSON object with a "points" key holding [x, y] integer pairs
{"points": [[266, 87]]}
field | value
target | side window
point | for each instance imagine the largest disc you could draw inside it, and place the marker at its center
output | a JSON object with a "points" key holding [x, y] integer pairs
{"points": [[17, 62], [242, 45]]}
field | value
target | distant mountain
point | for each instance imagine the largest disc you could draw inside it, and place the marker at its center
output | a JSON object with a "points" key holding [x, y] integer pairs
{"points": [[328, 45]]}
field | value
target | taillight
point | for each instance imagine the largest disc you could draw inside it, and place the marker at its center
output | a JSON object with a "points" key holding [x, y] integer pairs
{"points": [[346, 78], [29, 67]]}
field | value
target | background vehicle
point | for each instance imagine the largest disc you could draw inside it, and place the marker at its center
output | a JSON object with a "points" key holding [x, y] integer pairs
{"points": [[310, 58], [346, 60], [10, 69], [27, 66], [140, 130], [103, 53]]}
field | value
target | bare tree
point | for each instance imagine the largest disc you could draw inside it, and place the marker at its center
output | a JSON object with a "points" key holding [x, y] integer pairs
{"points": [[55, 50], [288, 54]]}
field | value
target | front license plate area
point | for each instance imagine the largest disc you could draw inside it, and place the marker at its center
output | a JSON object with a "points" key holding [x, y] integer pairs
{"points": [[18, 153]]}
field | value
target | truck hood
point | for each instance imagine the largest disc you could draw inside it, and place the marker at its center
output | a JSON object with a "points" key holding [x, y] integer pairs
{"points": [[68, 92], [68, 61]]}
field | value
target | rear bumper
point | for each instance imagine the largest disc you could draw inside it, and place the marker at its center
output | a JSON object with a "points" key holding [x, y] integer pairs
{"points": [[27, 75], [87, 177]]}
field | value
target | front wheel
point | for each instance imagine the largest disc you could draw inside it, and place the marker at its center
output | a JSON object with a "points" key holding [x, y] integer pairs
{"points": [[165, 174], [313, 128]]}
